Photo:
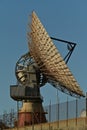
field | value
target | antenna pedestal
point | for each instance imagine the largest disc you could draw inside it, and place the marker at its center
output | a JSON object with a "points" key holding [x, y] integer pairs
{"points": [[31, 113]]}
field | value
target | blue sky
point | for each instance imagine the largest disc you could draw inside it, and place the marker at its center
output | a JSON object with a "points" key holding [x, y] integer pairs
{"points": [[62, 19]]}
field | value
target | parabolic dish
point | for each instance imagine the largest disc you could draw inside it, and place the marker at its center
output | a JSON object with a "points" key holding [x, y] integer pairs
{"points": [[49, 60]]}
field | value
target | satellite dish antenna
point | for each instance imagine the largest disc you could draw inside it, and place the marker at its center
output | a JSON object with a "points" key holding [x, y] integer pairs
{"points": [[49, 60], [83, 113], [43, 63]]}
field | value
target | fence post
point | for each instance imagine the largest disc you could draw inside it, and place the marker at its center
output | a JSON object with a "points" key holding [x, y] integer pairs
{"points": [[86, 107], [49, 114], [17, 115], [76, 110], [67, 110], [57, 110]]}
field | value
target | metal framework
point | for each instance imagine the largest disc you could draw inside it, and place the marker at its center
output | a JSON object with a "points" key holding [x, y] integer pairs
{"points": [[49, 60], [70, 47]]}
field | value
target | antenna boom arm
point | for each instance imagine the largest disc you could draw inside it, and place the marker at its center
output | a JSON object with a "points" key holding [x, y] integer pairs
{"points": [[70, 46]]}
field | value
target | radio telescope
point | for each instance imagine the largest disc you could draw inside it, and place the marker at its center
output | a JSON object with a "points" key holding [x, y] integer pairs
{"points": [[43, 63]]}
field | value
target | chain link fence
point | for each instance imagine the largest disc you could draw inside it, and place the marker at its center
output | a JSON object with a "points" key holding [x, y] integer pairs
{"points": [[67, 110], [55, 112]]}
